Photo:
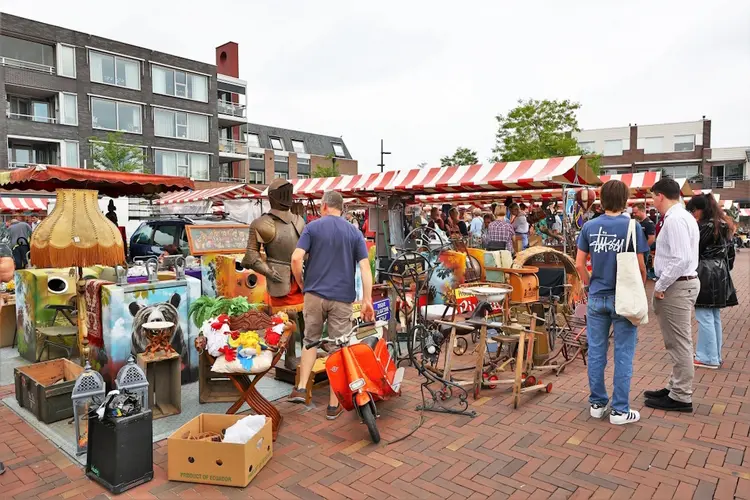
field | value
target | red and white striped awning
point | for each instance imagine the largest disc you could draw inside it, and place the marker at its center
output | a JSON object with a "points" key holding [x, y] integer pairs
{"points": [[526, 195], [527, 174], [744, 212], [23, 204], [214, 194], [641, 182]]}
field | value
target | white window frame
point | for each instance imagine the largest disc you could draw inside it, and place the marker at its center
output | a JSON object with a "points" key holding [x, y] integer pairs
{"points": [[62, 117], [176, 125], [117, 115], [587, 146], [296, 142], [622, 147], [144, 149], [273, 138], [64, 156], [675, 141], [258, 177], [646, 140], [257, 140], [188, 155], [114, 60], [281, 175], [174, 82], [58, 58], [303, 176], [336, 153]]}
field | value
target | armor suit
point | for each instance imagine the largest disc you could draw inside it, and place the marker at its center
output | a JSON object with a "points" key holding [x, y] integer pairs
{"points": [[277, 232]]}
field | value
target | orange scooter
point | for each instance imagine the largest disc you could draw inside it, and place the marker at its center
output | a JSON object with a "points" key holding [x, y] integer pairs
{"points": [[362, 372]]}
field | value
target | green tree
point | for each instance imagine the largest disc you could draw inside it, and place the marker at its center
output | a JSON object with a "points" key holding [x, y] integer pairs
{"points": [[539, 129], [331, 170], [462, 156], [112, 154]]}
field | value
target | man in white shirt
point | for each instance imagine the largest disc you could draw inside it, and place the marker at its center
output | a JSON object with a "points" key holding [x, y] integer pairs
{"points": [[675, 293], [519, 223], [477, 223]]}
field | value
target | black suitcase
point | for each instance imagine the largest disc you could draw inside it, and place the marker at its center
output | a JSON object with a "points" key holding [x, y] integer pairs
{"points": [[120, 452]]}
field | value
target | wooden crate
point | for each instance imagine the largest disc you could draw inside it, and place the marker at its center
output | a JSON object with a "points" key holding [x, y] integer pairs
{"points": [[164, 387], [214, 387], [7, 321], [45, 389]]}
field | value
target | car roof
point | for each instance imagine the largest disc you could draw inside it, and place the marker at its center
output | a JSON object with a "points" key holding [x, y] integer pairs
{"points": [[191, 220]]}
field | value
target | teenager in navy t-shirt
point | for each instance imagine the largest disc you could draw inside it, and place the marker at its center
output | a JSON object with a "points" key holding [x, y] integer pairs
{"points": [[602, 239]]}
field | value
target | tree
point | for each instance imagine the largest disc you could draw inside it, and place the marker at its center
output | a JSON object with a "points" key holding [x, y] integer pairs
{"points": [[112, 154], [539, 129], [462, 156], [422, 164], [331, 170]]}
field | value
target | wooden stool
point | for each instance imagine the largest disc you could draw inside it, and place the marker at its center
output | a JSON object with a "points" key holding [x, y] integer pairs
{"points": [[318, 368]]}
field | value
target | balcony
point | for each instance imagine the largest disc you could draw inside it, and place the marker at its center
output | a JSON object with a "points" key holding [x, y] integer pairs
{"points": [[230, 148], [231, 113], [32, 66], [31, 118]]}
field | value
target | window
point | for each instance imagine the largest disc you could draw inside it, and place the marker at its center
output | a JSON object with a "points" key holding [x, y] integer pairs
{"points": [[71, 154], [179, 84], [277, 144], [143, 234], [252, 140], [734, 172], [179, 124], [116, 115], [136, 155], [613, 148], [303, 161], [280, 175], [587, 147], [298, 146], [115, 70], [31, 52], [195, 165], [254, 177], [338, 149], [165, 235], [303, 176], [652, 145], [680, 171], [684, 143], [66, 60], [281, 159], [68, 109]]}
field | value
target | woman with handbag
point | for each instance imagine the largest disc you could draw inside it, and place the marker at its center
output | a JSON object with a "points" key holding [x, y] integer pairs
{"points": [[715, 261], [616, 244]]}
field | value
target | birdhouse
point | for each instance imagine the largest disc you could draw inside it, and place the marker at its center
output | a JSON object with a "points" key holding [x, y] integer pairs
{"points": [[88, 393], [132, 379]]}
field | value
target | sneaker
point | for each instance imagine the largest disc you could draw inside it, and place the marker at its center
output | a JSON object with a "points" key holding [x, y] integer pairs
{"points": [[297, 396], [617, 418], [668, 404], [598, 411], [661, 393], [700, 364], [334, 411]]}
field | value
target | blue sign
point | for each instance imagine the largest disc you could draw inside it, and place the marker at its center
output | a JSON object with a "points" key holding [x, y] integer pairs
{"points": [[382, 309]]}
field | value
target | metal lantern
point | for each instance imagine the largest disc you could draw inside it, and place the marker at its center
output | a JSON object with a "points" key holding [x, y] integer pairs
{"points": [[88, 393], [132, 379]]}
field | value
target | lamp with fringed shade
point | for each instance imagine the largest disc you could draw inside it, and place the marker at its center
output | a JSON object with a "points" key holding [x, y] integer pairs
{"points": [[77, 234]]}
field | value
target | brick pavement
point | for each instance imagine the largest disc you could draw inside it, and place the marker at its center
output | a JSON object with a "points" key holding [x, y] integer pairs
{"points": [[549, 448]]}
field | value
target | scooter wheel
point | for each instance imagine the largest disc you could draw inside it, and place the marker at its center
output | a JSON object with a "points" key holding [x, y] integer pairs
{"points": [[368, 417], [493, 378], [461, 346], [548, 388], [530, 381]]}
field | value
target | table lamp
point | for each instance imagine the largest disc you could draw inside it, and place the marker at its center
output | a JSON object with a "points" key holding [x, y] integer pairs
{"points": [[77, 234]]}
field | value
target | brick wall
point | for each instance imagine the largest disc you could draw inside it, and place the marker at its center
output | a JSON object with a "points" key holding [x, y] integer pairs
{"points": [[346, 167]]}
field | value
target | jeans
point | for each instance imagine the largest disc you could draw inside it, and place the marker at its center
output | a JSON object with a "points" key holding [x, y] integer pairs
{"points": [[600, 317], [524, 239], [708, 347]]}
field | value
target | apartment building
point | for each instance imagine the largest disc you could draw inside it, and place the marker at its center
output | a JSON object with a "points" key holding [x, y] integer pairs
{"points": [[679, 150], [66, 92]]}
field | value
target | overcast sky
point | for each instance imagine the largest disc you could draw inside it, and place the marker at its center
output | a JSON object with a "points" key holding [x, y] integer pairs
{"points": [[428, 76]]}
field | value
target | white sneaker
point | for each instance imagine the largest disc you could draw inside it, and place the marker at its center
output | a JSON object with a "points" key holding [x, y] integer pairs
{"points": [[598, 411], [630, 417]]}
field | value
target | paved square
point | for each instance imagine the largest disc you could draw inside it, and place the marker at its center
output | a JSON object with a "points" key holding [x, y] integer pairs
{"points": [[548, 448]]}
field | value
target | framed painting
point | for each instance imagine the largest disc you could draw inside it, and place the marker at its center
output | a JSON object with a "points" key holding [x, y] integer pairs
{"points": [[217, 239]]}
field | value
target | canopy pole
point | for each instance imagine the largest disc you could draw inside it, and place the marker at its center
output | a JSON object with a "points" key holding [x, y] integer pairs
{"points": [[564, 217]]}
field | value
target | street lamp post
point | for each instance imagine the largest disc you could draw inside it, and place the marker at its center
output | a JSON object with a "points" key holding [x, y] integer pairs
{"points": [[382, 153]]}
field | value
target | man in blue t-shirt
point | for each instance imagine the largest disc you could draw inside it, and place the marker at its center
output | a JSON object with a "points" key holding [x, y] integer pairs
{"points": [[334, 249], [602, 239]]}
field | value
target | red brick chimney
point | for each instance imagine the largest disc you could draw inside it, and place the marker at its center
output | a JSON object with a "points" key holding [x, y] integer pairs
{"points": [[228, 59]]}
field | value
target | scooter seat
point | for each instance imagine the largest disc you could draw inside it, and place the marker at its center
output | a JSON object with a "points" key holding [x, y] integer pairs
{"points": [[371, 341]]}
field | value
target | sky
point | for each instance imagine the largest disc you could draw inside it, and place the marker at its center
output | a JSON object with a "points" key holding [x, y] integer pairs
{"points": [[430, 76]]}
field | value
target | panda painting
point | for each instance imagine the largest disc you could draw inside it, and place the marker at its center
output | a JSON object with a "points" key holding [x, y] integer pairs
{"points": [[164, 311]]}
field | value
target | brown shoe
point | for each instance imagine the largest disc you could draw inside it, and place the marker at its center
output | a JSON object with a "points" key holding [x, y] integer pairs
{"points": [[334, 411], [297, 396]]}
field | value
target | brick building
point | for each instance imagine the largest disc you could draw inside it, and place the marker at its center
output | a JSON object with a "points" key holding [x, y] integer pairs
{"points": [[679, 150]]}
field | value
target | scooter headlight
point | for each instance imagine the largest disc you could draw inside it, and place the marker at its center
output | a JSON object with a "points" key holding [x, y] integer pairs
{"points": [[357, 384]]}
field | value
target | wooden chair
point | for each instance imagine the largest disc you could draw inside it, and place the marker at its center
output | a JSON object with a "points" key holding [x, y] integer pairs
{"points": [[245, 385]]}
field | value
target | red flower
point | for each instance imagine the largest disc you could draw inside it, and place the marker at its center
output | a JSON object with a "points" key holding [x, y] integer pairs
{"points": [[272, 338], [230, 354], [235, 334]]}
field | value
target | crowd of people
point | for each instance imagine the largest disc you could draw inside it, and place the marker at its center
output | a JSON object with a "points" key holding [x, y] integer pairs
{"points": [[693, 255]]}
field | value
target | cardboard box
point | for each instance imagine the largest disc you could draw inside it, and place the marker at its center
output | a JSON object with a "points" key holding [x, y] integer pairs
{"points": [[217, 463]]}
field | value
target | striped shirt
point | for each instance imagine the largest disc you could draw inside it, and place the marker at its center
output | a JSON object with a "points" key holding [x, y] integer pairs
{"points": [[676, 247]]}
